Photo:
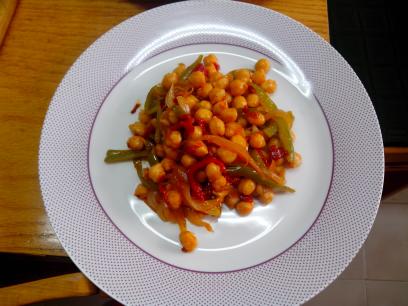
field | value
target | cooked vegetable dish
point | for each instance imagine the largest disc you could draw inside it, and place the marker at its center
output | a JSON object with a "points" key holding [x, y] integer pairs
{"points": [[210, 139]]}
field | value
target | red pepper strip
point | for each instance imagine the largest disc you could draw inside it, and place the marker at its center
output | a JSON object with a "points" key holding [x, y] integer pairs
{"points": [[263, 156], [163, 191], [277, 153], [200, 67], [196, 189], [135, 108], [246, 198], [186, 122], [202, 124], [217, 66]]}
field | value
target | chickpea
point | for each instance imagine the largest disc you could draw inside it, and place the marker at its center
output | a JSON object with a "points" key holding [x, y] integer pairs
{"points": [[280, 170], [239, 139], [179, 69], [257, 141], [226, 155], [197, 148], [197, 132], [217, 126], [297, 161], [174, 199], [203, 91], [259, 77], [191, 101], [215, 76], [174, 139], [187, 160], [136, 143], [269, 86], [279, 162], [210, 69], [138, 128], [169, 79], [253, 100], [259, 190], [262, 64], [233, 128], [229, 115], [201, 151], [197, 79], [167, 164], [219, 107], [159, 150], [220, 183], [188, 241], [266, 197], [232, 199], [172, 117], [239, 102], [156, 172], [216, 95], [246, 186], [205, 104], [238, 87], [244, 208], [222, 83], [170, 152], [243, 75], [141, 191], [203, 114], [230, 77], [210, 59], [256, 118], [213, 171], [201, 176], [144, 117]]}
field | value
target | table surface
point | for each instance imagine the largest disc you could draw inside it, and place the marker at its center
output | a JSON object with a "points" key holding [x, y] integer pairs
{"points": [[43, 41]]}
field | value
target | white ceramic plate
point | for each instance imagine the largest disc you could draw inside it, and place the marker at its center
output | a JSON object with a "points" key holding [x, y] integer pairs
{"points": [[283, 253]]}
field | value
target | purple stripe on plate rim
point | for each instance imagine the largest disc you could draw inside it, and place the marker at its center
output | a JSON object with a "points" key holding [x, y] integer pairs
{"points": [[172, 265]]}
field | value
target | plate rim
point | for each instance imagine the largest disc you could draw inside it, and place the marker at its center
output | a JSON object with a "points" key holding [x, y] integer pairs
{"points": [[142, 15]]}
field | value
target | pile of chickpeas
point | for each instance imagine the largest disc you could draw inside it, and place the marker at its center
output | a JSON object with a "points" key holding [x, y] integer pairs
{"points": [[223, 105]]}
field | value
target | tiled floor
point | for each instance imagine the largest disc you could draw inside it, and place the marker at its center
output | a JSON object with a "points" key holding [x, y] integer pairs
{"points": [[378, 275]]}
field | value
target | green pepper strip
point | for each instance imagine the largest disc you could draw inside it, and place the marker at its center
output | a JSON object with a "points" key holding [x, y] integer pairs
{"points": [[187, 72], [113, 156], [253, 175], [157, 132], [154, 107], [147, 183], [285, 138], [178, 110], [152, 158], [150, 99], [270, 130], [264, 98]]}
